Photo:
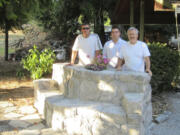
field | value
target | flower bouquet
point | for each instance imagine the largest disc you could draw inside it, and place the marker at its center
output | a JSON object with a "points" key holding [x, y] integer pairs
{"points": [[99, 64]]}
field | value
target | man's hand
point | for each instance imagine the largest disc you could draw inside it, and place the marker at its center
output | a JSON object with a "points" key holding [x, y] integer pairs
{"points": [[69, 64], [118, 68], [149, 72], [119, 64]]}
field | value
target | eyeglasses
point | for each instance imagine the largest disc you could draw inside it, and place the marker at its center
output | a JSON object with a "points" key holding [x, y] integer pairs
{"points": [[85, 28]]}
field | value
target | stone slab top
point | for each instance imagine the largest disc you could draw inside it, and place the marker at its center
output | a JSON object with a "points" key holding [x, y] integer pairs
{"points": [[111, 73]]}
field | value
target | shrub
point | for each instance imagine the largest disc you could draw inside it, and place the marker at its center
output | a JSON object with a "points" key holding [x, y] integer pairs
{"points": [[165, 67], [39, 63]]}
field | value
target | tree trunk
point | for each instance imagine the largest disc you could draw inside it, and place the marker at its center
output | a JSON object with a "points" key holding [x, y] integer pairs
{"points": [[6, 41], [99, 25]]}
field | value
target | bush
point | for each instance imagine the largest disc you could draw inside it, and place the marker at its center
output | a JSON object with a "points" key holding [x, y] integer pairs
{"points": [[38, 63], [165, 67]]}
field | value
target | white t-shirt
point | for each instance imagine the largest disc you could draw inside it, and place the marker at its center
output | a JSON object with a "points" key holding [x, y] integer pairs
{"points": [[86, 48], [134, 56], [111, 51]]}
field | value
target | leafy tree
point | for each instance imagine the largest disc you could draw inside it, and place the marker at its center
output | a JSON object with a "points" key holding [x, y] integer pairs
{"points": [[97, 11], [14, 13], [64, 15], [61, 18]]}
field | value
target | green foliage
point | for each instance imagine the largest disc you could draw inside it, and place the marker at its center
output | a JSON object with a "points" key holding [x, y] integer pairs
{"points": [[63, 16], [14, 13], [39, 63], [165, 65]]}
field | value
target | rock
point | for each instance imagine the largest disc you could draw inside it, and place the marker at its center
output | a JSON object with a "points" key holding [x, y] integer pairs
{"points": [[4, 128], [12, 115], [45, 84], [4, 104], [27, 110], [19, 124], [29, 132], [133, 103], [152, 125], [101, 103], [10, 109], [37, 126], [50, 131], [162, 117], [78, 117], [34, 118]]}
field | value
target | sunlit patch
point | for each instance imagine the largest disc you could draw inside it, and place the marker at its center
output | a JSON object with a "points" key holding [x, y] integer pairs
{"points": [[104, 86], [133, 132]]}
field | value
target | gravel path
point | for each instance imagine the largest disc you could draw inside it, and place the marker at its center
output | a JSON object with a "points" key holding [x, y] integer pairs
{"points": [[172, 125], [24, 119]]}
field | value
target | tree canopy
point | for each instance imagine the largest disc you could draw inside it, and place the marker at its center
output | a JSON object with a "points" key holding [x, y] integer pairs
{"points": [[14, 13]]}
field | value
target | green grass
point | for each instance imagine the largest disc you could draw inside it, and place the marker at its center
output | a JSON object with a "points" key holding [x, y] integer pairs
{"points": [[12, 39]]}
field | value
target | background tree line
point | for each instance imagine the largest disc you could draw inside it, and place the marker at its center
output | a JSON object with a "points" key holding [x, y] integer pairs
{"points": [[61, 17]]}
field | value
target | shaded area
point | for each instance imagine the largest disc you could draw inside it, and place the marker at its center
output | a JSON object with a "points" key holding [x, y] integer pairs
{"points": [[16, 93]]}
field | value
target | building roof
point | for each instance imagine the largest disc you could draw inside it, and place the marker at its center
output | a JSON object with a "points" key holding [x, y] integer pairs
{"points": [[156, 12]]}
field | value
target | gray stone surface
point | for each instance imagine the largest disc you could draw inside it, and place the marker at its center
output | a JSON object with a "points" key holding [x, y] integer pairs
{"points": [[100, 103], [73, 116], [32, 118], [45, 84], [41, 94], [19, 124], [172, 125], [27, 110], [4, 104]]}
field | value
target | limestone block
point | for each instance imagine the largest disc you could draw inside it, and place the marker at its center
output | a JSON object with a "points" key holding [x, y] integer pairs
{"points": [[136, 130], [83, 117], [72, 87], [133, 103], [45, 84], [129, 76], [107, 102], [40, 97], [88, 90]]}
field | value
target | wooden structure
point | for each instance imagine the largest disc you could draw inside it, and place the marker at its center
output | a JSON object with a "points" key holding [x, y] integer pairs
{"points": [[144, 12]]}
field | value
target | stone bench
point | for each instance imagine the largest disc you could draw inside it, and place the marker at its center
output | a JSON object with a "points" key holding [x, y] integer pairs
{"points": [[80, 101]]}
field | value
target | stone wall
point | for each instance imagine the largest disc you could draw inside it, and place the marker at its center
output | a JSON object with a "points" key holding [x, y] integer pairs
{"points": [[105, 102]]}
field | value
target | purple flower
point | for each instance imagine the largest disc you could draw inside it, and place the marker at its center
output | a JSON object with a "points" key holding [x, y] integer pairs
{"points": [[99, 56], [99, 60], [106, 61]]}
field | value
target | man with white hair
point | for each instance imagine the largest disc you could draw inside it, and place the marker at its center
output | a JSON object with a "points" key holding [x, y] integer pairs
{"points": [[135, 54]]}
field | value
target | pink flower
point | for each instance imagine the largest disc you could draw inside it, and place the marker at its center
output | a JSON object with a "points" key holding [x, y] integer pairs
{"points": [[99, 60], [88, 56], [99, 56], [106, 61]]}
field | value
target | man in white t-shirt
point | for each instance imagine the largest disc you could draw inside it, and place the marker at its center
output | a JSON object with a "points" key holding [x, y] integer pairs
{"points": [[135, 54], [87, 46], [112, 47]]}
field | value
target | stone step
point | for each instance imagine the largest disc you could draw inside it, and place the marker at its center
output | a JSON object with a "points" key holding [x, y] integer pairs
{"points": [[84, 117], [104, 86], [46, 84], [40, 97], [44, 88]]}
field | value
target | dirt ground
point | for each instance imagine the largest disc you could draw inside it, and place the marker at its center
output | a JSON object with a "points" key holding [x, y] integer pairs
{"points": [[18, 91]]}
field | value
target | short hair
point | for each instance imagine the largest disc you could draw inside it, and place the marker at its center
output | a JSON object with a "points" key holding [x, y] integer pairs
{"points": [[116, 27], [84, 24], [133, 28]]}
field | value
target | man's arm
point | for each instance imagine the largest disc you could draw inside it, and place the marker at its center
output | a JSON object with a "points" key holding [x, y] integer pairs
{"points": [[148, 65], [119, 64], [73, 57]]}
